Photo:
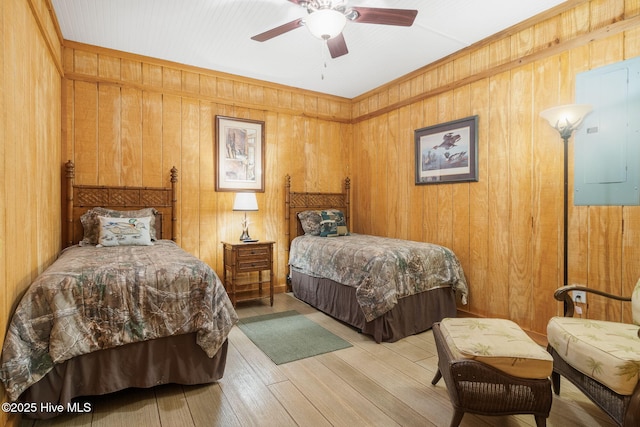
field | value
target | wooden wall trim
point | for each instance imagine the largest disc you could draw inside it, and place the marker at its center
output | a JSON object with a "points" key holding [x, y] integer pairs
{"points": [[56, 54], [198, 70], [568, 5], [197, 83], [203, 97], [558, 47]]}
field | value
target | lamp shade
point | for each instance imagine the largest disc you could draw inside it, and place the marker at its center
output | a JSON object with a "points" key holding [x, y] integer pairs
{"points": [[325, 24], [245, 202], [566, 118]]}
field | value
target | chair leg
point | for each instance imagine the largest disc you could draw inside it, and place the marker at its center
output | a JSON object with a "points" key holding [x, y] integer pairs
{"points": [[632, 416], [555, 381], [541, 421], [437, 377], [457, 417]]}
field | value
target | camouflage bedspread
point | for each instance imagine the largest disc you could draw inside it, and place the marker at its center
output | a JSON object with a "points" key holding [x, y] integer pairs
{"points": [[381, 269], [96, 298]]}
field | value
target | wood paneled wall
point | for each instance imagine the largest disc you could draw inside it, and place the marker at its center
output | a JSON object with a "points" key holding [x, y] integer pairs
{"points": [[125, 119], [129, 119], [507, 227], [30, 148]]}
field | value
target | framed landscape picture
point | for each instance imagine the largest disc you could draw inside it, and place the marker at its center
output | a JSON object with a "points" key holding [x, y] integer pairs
{"points": [[447, 152], [239, 154]]}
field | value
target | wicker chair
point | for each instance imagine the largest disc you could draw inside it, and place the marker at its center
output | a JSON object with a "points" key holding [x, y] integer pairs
{"points": [[624, 407], [478, 388]]}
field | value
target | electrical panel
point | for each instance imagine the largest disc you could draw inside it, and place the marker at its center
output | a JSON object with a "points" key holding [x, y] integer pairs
{"points": [[607, 143]]}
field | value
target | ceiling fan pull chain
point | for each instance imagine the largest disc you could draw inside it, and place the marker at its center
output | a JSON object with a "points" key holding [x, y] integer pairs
{"points": [[324, 57]]}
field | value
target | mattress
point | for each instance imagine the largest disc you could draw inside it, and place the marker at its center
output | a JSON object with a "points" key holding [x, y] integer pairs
{"points": [[381, 270], [97, 298]]}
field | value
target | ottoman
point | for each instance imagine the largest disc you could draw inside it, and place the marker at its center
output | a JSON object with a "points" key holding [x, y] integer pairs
{"points": [[492, 367]]}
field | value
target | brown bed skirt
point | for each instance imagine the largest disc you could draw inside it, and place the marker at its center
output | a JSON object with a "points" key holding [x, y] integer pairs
{"points": [[412, 315], [177, 359]]}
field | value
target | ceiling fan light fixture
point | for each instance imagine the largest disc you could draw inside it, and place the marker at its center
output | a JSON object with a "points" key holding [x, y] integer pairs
{"points": [[325, 24]]}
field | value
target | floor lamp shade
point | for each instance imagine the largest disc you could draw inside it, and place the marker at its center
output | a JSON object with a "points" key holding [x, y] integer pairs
{"points": [[566, 118]]}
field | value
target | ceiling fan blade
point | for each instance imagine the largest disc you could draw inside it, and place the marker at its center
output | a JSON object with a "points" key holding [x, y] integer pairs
{"points": [[274, 32], [375, 15], [337, 46]]}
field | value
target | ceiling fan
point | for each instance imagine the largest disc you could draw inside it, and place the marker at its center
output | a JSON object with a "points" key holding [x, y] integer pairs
{"points": [[327, 18]]}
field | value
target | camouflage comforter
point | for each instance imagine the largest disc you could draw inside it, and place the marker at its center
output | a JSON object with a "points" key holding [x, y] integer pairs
{"points": [[381, 269], [96, 298]]}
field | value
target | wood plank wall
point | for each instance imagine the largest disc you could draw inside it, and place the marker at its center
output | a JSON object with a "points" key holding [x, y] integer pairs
{"points": [[126, 120], [506, 228], [129, 119], [30, 150]]}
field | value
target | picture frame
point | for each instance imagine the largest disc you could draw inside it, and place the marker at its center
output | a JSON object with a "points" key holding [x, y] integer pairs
{"points": [[447, 152], [240, 156]]}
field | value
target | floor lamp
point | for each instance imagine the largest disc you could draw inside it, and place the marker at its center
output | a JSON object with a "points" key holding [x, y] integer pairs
{"points": [[565, 119]]}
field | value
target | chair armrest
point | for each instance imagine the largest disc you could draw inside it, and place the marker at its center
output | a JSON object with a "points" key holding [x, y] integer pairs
{"points": [[562, 294]]}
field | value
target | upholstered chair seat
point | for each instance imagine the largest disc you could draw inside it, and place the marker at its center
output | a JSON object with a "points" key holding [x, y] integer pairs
{"points": [[601, 358], [608, 352]]}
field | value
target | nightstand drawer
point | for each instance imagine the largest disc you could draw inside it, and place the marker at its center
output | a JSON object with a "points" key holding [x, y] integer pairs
{"points": [[253, 265], [251, 252]]}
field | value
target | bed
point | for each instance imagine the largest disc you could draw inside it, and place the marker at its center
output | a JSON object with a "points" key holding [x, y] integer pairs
{"points": [[133, 310], [386, 288]]}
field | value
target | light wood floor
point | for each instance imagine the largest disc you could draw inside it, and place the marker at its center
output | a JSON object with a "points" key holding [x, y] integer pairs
{"points": [[368, 384]]}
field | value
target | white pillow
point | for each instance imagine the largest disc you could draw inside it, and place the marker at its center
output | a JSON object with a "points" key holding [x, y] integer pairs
{"points": [[124, 231]]}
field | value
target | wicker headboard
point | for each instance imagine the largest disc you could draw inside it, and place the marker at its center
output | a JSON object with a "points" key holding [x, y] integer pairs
{"points": [[297, 202], [81, 198]]}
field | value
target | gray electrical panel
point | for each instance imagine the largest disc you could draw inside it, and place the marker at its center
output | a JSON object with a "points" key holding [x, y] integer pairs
{"points": [[607, 143]]}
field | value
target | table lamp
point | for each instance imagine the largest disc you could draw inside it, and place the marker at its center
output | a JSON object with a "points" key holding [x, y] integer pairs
{"points": [[245, 202]]}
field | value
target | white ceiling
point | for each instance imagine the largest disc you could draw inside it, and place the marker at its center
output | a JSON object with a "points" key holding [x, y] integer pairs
{"points": [[215, 34]]}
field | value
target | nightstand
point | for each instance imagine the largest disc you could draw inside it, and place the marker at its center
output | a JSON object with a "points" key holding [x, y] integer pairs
{"points": [[242, 263]]}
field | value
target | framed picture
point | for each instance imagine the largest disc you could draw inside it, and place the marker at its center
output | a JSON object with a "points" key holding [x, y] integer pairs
{"points": [[447, 152], [239, 154]]}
